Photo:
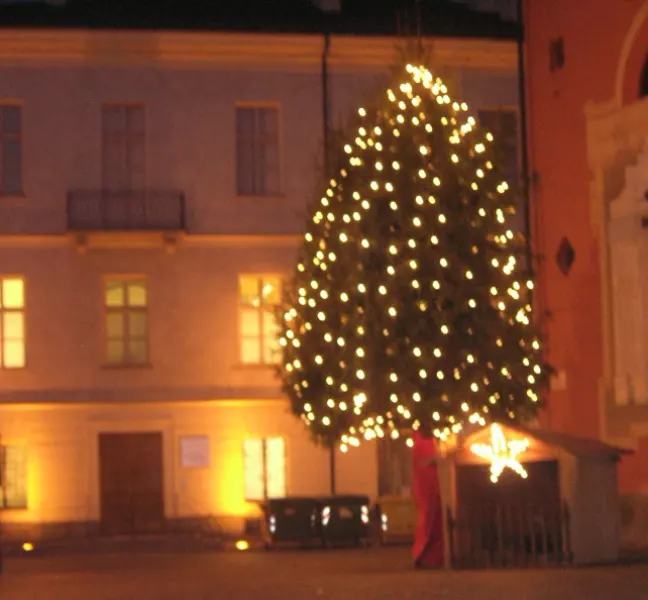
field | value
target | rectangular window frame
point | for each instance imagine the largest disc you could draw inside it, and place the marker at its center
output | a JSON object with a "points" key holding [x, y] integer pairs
{"points": [[556, 54], [522, 207], [3, 277], [15, 103], [110, 186], [276, 106], [23, 504], [124, 279], [246, 307], [515, 110], [265, 474]]}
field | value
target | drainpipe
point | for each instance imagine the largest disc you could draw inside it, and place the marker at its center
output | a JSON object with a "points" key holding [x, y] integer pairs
{"points": [[524, 137], [325, 100], [326, 149], [537, 296]]}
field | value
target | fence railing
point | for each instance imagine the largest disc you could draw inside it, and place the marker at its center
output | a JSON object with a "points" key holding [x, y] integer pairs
{"points": [[139, 210], [511, 534]]}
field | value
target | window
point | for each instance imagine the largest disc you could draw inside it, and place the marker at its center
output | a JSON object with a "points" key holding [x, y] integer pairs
{"points": [[556, 54], [13, 477], [394, 467], [10, 150], [264, 465], [503, 124], [259, 297], [123, 147], [257, 151], [126, 325], [12, 323]]}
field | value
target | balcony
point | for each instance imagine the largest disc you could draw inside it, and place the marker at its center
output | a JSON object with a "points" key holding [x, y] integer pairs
{"points": [[142, 210]]}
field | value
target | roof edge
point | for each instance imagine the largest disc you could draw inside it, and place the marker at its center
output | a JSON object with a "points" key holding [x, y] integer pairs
{"points": [[574, 445], [39, 47]]}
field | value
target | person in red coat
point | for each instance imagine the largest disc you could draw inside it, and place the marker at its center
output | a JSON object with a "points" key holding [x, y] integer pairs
{"points": [[428, 536]]}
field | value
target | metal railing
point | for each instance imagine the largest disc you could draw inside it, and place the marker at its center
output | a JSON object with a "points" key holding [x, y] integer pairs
{"points": [[138, 210], [510, 535]]}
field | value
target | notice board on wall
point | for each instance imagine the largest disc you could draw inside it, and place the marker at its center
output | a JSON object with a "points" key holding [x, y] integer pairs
{"points": [[194, 451]]}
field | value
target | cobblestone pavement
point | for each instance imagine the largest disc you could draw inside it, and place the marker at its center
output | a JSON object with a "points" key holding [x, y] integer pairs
{"points": [[373, 574]]}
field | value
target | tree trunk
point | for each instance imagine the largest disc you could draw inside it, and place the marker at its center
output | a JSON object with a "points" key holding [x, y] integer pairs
{"points": [[332, 469]]}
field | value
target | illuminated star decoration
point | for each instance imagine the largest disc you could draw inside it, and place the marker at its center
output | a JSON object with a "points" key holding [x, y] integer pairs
{"points": [[502, 453]]}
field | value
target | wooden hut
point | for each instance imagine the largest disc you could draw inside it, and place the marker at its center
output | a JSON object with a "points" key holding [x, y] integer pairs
{"points": [[555, 499]]}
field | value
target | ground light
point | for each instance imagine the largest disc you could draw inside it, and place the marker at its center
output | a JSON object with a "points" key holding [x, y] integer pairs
{"points": [[28, 547], [242, 545]]}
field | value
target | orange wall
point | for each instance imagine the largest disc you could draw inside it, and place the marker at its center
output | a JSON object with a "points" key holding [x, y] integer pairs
{"points": [[64, 472], [593, 33]]}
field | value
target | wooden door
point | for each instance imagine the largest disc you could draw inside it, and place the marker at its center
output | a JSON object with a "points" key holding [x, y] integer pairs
{"points": [[512, 522], [131, 483], [541, 488]]}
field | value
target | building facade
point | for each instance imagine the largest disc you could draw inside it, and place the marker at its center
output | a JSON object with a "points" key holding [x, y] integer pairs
{"points": [[588, 127], [153, 188]]}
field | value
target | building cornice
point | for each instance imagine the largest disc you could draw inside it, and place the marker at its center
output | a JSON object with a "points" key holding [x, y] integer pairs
{"points": [[152, 48], [350, 51], [148, 239], [244, 240], [33, 240], [49, 47]]}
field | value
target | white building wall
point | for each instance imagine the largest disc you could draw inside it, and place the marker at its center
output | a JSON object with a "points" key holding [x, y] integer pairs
{"points": [[195, 383]]}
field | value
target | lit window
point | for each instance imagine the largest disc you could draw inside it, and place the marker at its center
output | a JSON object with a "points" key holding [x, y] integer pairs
{"points": [[259, 298], [257, 151], [11, 168], [12, 323], [264, 464], [13, 477], [126, 322]]}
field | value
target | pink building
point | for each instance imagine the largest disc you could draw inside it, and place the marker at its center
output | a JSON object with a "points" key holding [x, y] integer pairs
{"points": [[153, 189], [588, 149]]}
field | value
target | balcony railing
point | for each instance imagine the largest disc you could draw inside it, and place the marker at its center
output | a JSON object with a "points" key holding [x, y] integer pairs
{"points": [[141, 210]]}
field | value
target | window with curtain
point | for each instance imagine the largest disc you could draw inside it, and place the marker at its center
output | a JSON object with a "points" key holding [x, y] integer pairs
{"points": [[264, 466], [259, 297], [13, 477], [12, 323]]}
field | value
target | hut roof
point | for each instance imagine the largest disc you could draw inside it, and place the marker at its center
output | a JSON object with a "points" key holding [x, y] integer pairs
{"points": [[576, 446]]}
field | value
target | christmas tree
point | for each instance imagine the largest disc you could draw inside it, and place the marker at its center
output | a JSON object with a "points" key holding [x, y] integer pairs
{"points": [[408, 301]]}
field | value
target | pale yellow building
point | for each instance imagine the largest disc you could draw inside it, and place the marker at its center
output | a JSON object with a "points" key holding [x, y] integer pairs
{"points": [[152, 190]]}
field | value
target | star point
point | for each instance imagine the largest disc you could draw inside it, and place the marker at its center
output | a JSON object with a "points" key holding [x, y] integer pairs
{"points": [[502, 453]]}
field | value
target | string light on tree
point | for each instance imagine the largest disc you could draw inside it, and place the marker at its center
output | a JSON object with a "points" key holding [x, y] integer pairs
{"points": [[408, 299], [502, 453]]}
